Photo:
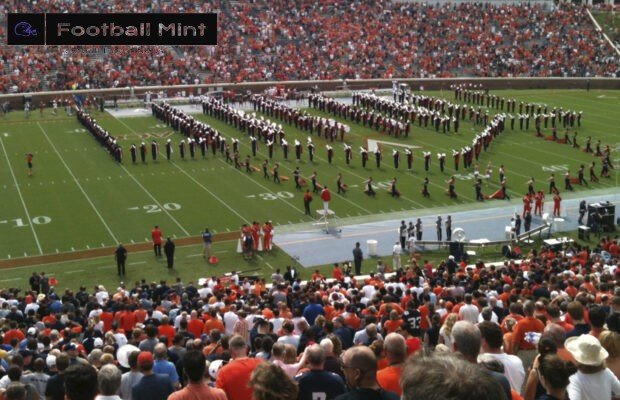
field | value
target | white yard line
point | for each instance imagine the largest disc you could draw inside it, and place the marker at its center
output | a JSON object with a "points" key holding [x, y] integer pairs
{"points": [[36, 238], [78, 185]]}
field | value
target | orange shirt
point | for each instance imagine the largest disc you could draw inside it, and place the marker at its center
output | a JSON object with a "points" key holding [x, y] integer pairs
{"points": [[13, 333], [167, 331], [388, 379], [234, 377], [392, 326], [527, 324], [195, 326], [213, 323]]}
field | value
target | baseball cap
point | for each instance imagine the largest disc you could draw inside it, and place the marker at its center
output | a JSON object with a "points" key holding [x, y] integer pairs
{"points": [[145, 358], [70, 346], [50, 361]]}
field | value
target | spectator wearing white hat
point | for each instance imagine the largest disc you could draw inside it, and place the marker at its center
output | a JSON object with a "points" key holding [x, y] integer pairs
{"points": [[593, 379]]}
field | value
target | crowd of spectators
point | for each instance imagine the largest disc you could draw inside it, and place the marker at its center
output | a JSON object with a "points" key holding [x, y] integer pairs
{"points": [[271, 40], [545, 326]]}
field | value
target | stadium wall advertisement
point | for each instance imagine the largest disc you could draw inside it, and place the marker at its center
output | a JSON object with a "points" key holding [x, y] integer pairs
{"points": [[416, 84]]}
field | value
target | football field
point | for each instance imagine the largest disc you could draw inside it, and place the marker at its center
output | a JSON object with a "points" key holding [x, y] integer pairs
{"points": [[79, 198]]}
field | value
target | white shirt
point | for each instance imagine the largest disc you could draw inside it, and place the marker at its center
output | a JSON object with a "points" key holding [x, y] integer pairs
{"points": [[600, 386], [469, 312], [397, 250], [230, 319], [369, 291], [289, 339], [513, 369], [277, 323]]}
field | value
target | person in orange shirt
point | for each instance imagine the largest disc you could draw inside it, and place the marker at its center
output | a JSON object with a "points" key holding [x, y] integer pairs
{"points": [[157, 235], [195, 325], [29, 158], [394, 323], [167, 330], [396, 354], [213, 323], [234, 377], [337, 274], [317, 276], [525, 350]]}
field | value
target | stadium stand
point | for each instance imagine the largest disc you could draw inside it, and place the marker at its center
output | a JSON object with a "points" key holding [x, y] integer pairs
{"points": [[564, 293], [273, 41]]}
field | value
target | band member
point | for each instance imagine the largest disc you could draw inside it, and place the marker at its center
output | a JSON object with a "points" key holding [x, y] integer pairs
{"points": [[396, 156], [248, 166], [451, 191], [341, 186], [236, 160], [552, 187], [266, 169], [192, 147], [270, 148], [310, 150], [378, 157], [393, 191], [254, 141], [504, 190], [133, 151], [478, 187], [369, 189], [330, 153], [567, 183], [284, 145], [409, 155], [297, 150], [530, 187], [296, 178], [427, 160], [348, 154], [442, 161], [364, 154], [425, 191], [315, 186], [276, 173], [588, 148], [580, 174], [143, 152], [202, 143], [154, 150], [593, 177], [457, 157], [182, 149]]}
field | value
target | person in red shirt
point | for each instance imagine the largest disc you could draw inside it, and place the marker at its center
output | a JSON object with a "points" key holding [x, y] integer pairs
{"points": [[337, 274], [307, 201], [234, 377], [556, 204], [326, 196], [195, 325], [29, 158], [524, 349], [267, 235], [167, 330], [157, 239]]}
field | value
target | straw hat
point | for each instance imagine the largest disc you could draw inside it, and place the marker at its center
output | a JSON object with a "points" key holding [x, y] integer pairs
{"points": [[586, 349]]}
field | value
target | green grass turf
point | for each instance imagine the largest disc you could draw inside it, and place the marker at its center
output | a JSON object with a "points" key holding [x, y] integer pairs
{"points": [[90, 201]]}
